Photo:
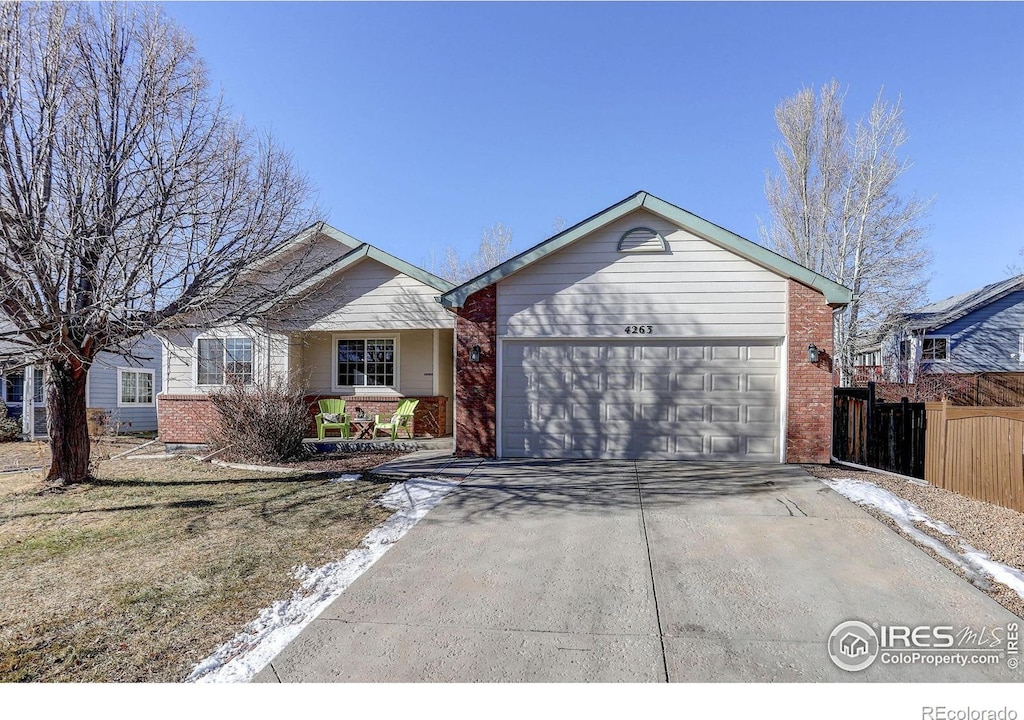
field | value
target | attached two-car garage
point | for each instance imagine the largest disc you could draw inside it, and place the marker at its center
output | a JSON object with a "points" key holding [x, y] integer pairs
{"points": [[645, 332], [650, 399]]}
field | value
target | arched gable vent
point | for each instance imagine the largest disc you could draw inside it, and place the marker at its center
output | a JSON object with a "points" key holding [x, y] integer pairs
{"points": [[642, 239]]}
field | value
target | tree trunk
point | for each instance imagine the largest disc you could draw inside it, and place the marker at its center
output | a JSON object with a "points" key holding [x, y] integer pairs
{"points": [[66, 422]]}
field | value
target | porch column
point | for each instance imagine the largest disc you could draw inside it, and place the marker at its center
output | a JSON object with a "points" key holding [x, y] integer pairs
{"points": [[28, 406], [436, 366]]}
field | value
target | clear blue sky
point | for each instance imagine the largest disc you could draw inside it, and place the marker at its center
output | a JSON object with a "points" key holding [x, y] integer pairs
{"points": [[423, 123]]}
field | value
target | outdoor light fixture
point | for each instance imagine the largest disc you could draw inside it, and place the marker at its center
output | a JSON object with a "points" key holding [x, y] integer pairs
{"points": [[812, 353], [474, 354]]}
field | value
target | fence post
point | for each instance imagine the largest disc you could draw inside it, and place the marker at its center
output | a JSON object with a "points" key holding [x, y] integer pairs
{"points": [[906, 444], [945, 444], [871, 445]]}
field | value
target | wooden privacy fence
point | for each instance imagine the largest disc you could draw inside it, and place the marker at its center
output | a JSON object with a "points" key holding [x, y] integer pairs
{"points": [[887, 436], [977, 452], [1003, 389]]}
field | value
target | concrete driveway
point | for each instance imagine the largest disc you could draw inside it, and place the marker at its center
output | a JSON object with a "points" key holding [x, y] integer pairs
{"points": [[633, 571]]}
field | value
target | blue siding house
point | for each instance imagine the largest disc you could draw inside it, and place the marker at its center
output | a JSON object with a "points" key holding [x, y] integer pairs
{"points": [[974, 332], [126, 388]]}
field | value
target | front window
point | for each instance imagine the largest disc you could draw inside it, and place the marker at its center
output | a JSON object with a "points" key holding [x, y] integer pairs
{"points": [[136, 387], [366, 362], [14, 385], [224, 360], [935, 349]]}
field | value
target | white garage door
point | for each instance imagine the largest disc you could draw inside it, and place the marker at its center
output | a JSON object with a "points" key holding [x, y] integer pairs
{"points": [[641, 400]]}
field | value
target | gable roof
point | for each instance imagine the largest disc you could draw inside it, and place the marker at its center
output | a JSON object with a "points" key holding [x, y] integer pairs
{"points": [[943, 312], [317, 228], [834, 293], [360, 252]]}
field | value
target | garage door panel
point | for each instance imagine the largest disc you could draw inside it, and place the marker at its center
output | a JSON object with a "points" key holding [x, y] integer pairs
{"points": [[769, 353], [725, 413], [762, 414], [767, 447], [690, 413], [654, 381], [641, 399], [762, 383], [721, 382], [689, 382], [688, 445], [725, 352]]}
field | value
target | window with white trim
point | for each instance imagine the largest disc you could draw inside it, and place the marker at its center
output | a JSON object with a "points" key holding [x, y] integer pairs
{"points": [[365, 362], [135, 387], [14, 387], [935, 348], [224, 360]]}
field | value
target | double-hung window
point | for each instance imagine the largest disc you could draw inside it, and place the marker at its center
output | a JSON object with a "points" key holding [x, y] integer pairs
{"points": [[224, 360], [935, 348], [14, 387], [135, 387], [366, 362]]}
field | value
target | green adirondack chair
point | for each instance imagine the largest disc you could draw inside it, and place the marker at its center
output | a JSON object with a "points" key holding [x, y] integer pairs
{"points": [[332, 407], [401, 419]]}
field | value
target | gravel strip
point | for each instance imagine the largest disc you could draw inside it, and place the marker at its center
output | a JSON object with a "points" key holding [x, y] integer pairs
{"points": [[995, 530]]}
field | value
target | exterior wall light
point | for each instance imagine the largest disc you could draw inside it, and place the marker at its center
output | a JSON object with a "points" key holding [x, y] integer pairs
{"points": [[812, 353], [474, 354]]}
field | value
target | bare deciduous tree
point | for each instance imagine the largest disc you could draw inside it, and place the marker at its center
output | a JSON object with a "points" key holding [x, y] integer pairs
{"points": [[129, 198], [495, 247], [836, 208]]}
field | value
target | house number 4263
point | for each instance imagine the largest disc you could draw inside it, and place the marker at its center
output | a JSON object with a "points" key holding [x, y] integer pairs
{"points": [[639, 329]]}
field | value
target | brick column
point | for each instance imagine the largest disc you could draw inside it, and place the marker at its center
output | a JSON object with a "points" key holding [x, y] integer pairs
{"points": [[185, 419], [476, 382], [809, 389]]}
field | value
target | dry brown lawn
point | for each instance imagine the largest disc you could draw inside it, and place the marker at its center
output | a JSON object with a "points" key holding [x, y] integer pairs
{"points": [[142, 573]]}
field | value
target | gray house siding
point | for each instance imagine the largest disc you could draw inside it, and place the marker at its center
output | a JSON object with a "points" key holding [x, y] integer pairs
{"points": [[986, 340]]}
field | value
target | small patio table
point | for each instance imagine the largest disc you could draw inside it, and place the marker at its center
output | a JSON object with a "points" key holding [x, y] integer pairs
{"points": [[364, 426]]}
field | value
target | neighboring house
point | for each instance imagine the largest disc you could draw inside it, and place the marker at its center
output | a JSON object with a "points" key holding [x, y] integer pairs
{"points": [[645, 332], [974, 332], [125, 387], [365, 326]]}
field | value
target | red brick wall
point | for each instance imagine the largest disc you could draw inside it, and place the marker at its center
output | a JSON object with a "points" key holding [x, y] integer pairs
{"points": [[809, 391], [185, 418], [428, 419], [476, 383], [189, 418]]}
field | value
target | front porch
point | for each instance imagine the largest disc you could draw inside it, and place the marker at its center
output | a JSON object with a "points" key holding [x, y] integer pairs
{"points": [[374, 371]]}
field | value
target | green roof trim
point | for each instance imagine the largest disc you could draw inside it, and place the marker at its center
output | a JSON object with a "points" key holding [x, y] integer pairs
{"points": [[835, 294], [360, 252], [317, 228]]}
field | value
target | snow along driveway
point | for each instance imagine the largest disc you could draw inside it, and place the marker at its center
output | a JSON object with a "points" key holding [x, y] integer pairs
{"points": [[239, 659], [634, 571], [976, 565]]}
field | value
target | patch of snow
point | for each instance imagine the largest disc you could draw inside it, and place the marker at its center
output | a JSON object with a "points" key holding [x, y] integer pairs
{"points": [[1008, 575], [239, 659], [976, 564], [344, 478], [897, 508]]}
